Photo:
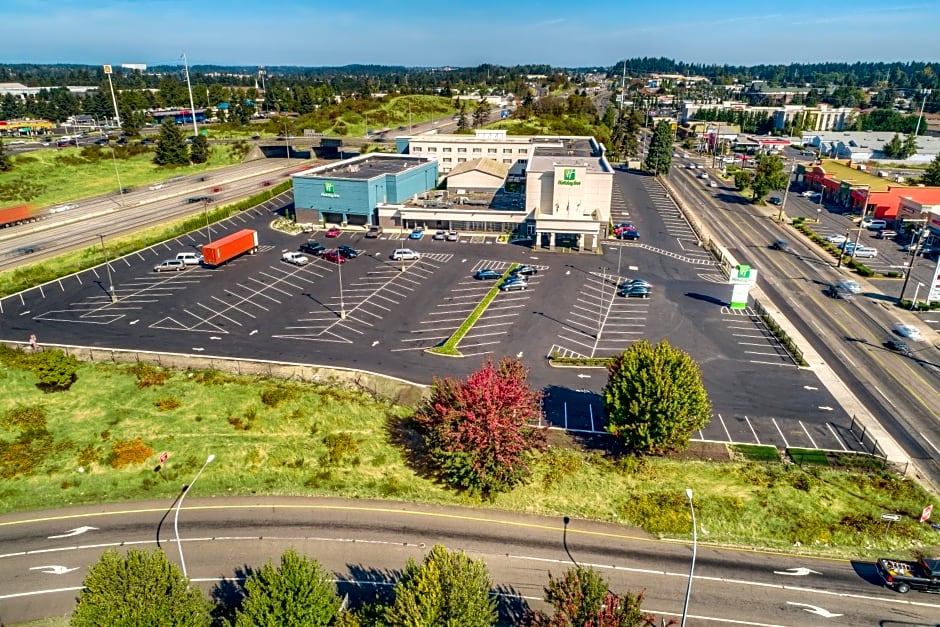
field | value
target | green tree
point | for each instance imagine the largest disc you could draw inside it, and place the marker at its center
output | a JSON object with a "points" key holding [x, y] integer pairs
{"points": [[655, 398], [462, 123], [139, 590], [6, 164], [893, 148], [56, 370], [743, 179], [909, 149], [199, 151], [769, 175], [931, 175], [581, 598], [298, 592], [479, 432], [480, 113], [659, 156], [171, 147], [448, 589]]}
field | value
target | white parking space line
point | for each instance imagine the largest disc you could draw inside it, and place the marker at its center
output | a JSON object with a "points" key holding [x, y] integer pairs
{"points": [[751, 427], [780, 431], [837, 437], [808, 436]]}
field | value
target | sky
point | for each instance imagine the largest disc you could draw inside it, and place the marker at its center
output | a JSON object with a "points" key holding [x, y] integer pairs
{"points": [[466, 32]]}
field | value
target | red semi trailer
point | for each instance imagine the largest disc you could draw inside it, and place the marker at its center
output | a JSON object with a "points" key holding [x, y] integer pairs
{"points": [[15, 215], [229, 247]]}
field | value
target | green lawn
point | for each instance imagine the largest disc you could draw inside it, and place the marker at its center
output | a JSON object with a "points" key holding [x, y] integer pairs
{"points": [[49, 177], [285, 438]]}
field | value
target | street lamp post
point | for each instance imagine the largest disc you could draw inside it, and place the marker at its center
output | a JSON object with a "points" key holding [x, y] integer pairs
{"points": [[189, 87], [916, 291], [921, 116], [786, 192], [916, 243], [107, 264], [401, 245], [339, 269], [205, 210], [176, 517], [688, 590], [842, 250]]}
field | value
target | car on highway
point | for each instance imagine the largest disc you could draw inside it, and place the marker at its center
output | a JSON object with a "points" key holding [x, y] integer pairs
{"points": [[374, 231], [837, 291], [487, 274], [156, 186], [62, 208], [170, 265], [898, 346], [514, 283], [635, 291], [333, 256], [524, 270], [781, 244], [439, 236], [298, 259], [404, 254], [347, 251], [418, 233], [836, 238], [851, 285], [908, 331], [452, 236], [312, 247], [333, 231], [703, 175], [713, 183]]}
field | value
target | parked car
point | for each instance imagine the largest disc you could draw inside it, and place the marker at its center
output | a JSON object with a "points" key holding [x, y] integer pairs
{"points": [[374, 231], [404, 254], [487, 274], [298, 259], [189, 258], [623, 226], [169, 265], [875, 225], [886, 234], [452, 236], [313, 248], [438, 236], [333, 231], [347, 251], [808, 193], [836, 238], [629, 234], [333, 256], [908, 331], [775, 200], [524, 270], [865, 252], [635, 291], [514, 283], [418, 233], [630, 282]]}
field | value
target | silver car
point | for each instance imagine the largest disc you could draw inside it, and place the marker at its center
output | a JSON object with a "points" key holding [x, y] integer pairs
{"points": [[170, 265]]}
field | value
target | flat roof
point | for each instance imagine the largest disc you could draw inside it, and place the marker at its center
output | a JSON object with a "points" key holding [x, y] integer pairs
{"points": [[577, 151], [366, 168]]}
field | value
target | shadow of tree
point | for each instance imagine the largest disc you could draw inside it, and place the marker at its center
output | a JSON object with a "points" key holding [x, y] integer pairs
{"points": [[405, 434], [511, 605], [228, 594]]}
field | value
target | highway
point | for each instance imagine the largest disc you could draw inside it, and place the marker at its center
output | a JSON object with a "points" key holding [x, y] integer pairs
{"points": [[367, 544], [901, 392]]}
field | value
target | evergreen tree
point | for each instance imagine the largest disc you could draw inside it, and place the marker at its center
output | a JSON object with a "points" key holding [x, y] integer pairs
{"points": [[446, 590], [143, 588], [893, 148], [297, 592], [171, 147], [199, 151], [462, 123], [659, 156], [655, 398], [909, 149], [931, 175], [6, 164], [480, 113]]}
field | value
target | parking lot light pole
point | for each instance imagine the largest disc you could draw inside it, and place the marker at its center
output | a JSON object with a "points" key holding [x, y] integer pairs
{"points": [[179, 504], [107, 264], [842, 250], [342, 307], [401, 246], [688, 590], [205, 210], [786, 192]]}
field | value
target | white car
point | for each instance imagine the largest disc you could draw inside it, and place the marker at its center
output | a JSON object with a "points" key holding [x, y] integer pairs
{"points": [[713, 184], [908, 331], [404, 254], [835, 238], [156, 186], [298, 259], [189, 259], [807, 193], [61, 208], [865, 252], [703, 175]]}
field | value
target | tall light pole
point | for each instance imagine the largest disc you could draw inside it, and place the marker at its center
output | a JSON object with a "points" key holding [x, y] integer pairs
{"points": [[786, 192], [921, 116], [688, 590], [192, 105], [205, 210], [107, 264], [117, 117], [176, 517], [339, 269], [842, 249], [916, 242], [401, 246]]}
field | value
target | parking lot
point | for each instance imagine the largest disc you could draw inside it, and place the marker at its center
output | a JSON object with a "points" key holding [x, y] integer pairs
{"points": [[382, 315]]}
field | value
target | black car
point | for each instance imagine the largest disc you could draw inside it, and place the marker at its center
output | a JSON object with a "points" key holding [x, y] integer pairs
{"points": [[313, 248], [630, 234], [487, 274], [837, 291], [525, 270], [347, 251], [899, 346], [635, 291], [781, 244], [774, 200]]}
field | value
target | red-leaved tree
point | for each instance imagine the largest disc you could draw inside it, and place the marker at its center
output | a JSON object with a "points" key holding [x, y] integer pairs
{"points": [[480, 432]]}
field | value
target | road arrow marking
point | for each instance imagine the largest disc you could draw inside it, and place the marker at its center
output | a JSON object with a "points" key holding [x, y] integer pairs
{"points": [[199, 349], [809, 387], [519, 355], [825, 408], [74, 532], [584, 376], [133, 322], [253, 332], [799, 572], [813, 609], [375, 343], [54, 570]]}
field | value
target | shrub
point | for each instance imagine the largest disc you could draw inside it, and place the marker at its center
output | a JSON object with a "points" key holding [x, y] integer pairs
{"points": [[559, 463], [148, 375], [128, 452], [339, 446], [56, 370], [26, 419], [21, 457], [276, 395], [166, 403], [88, 455]]}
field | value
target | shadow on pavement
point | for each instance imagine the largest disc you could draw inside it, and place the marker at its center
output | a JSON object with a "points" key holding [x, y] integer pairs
{"points": [[707, 298]]}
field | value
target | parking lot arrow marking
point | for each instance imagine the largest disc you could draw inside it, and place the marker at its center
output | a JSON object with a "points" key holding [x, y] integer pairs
{"points": [[198, 348], [214, 337], [584, 376], [253, 332], [519, 355], [375, 343], [813, 609], [54, 570], [133, 322], [809, 387], [797, 572], [825, 408], [73, 532]]}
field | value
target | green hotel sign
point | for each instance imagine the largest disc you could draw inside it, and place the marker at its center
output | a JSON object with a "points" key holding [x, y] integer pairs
{"points": [[569, 177], [328, 190]]}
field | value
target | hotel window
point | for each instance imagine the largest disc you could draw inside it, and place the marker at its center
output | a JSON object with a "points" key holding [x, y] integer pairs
{"points": [[446, 149], [461, 159], [432, 149], [417, 148], [461, 150], [523, 151], [476, 150], [447, 159], [491, 151], [507, 151], [507, 160]]}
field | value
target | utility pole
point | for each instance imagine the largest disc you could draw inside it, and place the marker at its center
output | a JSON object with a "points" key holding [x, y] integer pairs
{"points": [[623, 85], [921, 116]]}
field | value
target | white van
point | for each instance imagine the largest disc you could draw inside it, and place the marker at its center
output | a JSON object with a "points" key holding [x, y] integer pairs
{"points": [[865, 251], [189, 259], [405, 254], [876, 225]]}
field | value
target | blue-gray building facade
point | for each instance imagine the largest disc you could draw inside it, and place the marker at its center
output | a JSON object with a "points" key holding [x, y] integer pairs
{"points": [[348, 192]]}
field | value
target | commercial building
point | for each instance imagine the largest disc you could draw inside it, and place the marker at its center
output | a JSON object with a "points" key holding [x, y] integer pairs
{"points": [[821, 117], [349, 192], [862, 147]]}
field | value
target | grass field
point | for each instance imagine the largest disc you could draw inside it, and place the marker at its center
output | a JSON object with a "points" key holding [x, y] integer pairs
{"points": [[100, 442], [49, 177]]}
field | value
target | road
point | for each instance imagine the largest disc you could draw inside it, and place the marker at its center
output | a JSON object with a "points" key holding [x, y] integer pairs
{"points": [[366, 544], [902, 392]]}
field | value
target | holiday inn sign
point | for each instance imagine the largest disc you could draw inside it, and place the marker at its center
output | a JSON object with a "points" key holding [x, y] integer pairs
{"points": [[329, 191], [569, 177]]}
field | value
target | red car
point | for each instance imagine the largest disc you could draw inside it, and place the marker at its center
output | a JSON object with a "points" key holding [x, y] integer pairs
{"points": [[334, 256], [333, 232], [626, 226]]}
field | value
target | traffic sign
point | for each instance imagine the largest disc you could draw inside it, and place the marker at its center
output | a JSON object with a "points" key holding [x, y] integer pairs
{"points": [[925, 515], [164, 456], [891, 517]]}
